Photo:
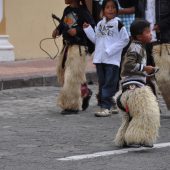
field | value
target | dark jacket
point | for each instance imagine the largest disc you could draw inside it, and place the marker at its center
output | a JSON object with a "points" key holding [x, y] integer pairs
{"points": [[74, 18], [162, 17], [127, 3], [133, 63]]}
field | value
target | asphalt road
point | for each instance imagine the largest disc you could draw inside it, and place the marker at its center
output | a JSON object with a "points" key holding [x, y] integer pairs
{"points": [[35, 136]]}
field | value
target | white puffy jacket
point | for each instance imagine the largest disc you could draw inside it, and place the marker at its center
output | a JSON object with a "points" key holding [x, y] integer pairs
{"points": [[109, 39]]}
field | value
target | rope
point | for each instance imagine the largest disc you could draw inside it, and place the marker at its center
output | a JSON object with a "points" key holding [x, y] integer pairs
{"points": [[44, 39]]}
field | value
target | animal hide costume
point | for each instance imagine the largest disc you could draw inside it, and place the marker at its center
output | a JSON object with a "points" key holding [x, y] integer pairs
{"points": [[71, 66], [161, 54], [136, 101], [140, 117]]}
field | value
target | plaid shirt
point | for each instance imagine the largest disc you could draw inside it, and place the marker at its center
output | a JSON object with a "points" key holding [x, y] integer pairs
{"points": [[127, 19]]}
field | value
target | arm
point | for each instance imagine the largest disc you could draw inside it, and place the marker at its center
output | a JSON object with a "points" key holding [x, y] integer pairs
{"points": [[127, 7], [130, 10], [90, 33], [131, 62], [60, 28], [133, 65], [119, 45], [87, 18]]}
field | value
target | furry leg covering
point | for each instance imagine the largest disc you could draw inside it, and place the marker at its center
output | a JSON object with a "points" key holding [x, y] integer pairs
{"points": [[144, 112], [161, 54], [71, 77]]}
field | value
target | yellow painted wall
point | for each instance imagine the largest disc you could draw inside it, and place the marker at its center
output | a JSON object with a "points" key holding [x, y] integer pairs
{"points": [[2, 27], [27, 22]]}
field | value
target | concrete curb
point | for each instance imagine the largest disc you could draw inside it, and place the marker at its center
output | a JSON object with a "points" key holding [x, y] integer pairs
{"points": [[39, 80]]}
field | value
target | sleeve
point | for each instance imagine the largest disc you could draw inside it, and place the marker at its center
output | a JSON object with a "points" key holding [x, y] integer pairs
{"points": [[90, 33], [165, 23], [86, 17], [62, 27], [131, 62], [127, 3], [119, 45]]}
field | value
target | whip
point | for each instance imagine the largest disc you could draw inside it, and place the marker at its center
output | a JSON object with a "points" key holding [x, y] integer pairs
{"points": [[54, 17]]}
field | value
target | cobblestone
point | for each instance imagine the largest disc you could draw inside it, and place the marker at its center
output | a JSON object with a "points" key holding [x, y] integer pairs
{"points": [[33, 133]]}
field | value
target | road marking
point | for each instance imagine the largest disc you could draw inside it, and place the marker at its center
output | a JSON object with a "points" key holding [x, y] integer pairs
{"points": [[114, 152]]}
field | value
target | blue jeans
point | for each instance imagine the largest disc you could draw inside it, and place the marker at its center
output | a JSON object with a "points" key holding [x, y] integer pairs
{"points": [[108, 79]]}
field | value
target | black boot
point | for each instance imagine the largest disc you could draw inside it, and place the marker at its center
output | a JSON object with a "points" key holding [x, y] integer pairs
{"points": [[85, 103], [69, 112]]}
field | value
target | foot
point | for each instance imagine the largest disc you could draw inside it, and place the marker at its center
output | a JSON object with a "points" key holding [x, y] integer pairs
{"points": [[69, 112], [103, 113], [86, 100], [147, 145], [136, 145], [114, 109], [132, 146]]}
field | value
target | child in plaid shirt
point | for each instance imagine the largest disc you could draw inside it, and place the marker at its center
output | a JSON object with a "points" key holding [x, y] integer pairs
{"points": [[126, 12]]}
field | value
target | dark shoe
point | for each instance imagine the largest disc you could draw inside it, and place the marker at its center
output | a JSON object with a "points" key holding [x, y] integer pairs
{"points": [[69, 112], [132, 146], [85, 103], [138, 145], [147, 145]]}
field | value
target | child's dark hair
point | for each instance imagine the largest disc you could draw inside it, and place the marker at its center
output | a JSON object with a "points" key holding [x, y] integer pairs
{"points": [[138, 26], [106, 1]]}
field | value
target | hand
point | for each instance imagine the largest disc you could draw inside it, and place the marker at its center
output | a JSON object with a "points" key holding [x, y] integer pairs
{"points": [[149, 69], [156, 28], [55, 33], [85, 25], [72, 32]]}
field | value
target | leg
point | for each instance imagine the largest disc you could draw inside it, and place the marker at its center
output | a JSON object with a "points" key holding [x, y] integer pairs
{"points": [[109, 88], [60, 70], [86, 94], [70, 96], [162, 59], [101, 80], [145, 123], [120, 136]]}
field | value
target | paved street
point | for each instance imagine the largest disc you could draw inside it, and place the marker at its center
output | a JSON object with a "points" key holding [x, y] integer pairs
{"points": [[34, 136]]}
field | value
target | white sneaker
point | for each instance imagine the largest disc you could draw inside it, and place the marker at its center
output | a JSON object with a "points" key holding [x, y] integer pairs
{"points": [[103, 113]]}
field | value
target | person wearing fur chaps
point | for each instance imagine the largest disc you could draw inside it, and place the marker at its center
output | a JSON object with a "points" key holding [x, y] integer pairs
{"points": [[136, 101], [71, 76], [71, 63], [140, 117]]}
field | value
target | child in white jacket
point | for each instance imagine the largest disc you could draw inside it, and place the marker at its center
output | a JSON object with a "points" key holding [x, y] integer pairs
{"points": [[110, 37]]}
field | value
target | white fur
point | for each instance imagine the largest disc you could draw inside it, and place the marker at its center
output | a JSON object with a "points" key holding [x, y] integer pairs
{"points": [[71, 78], [162, 59], [144, 111]]}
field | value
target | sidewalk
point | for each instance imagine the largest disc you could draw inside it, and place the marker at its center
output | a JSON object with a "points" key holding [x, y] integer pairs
{"points": [[29, 73]]}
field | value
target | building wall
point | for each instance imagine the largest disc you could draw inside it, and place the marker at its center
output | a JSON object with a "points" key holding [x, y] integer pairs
{"points": [[29, 21]]}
